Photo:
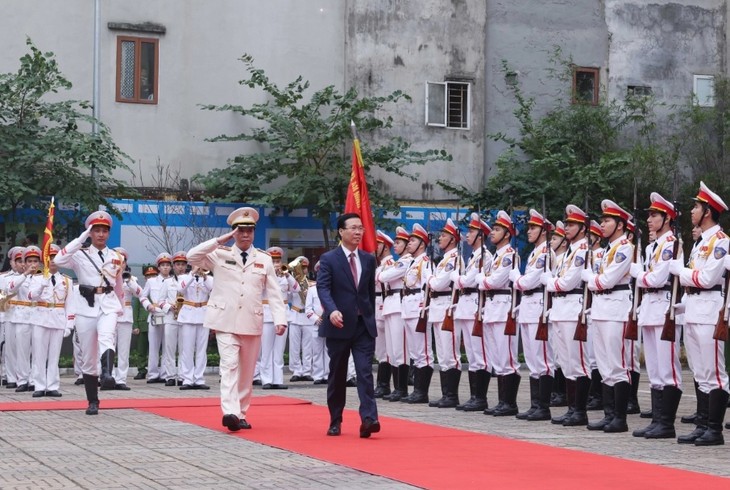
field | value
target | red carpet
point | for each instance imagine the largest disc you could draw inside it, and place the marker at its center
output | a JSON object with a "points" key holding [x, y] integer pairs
{"points": [[437, 457]]}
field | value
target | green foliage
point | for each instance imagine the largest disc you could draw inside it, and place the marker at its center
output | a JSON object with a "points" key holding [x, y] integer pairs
{"points": [[47, 148], [304, 156]]}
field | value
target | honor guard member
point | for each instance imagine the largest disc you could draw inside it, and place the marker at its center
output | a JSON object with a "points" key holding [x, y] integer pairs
{"points": [[420, 346], [152, 300], [564, 316], [50, 321], [194, 289], [633, 347], [235, 308], [465, 314], [661, 357], [25, 311], [140, 319], [300, 339], [384, 259], [609, 313], [448, 343], [595, 394], [391, 277], [273, 343], [9, 357], [4, 305], [99, 271], [171, 302], [501, 348], [538, 353], [131, 289], [314, 310], [559, 246], [704, 300]]}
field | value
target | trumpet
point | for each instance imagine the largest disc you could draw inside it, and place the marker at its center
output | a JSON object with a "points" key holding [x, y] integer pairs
{"points": [[179, 300]]}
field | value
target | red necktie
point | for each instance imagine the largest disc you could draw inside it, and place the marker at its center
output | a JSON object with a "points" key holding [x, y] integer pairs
{"points": [[353, 268]]}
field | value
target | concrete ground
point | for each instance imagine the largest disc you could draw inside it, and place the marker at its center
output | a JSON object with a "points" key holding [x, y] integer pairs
{"points": [[132, 449]]}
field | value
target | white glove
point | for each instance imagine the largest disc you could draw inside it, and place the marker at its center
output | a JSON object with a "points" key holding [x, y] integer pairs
{"points": [[587, 275], [635, 270], [550, 286], [592, 285], [675, 267], [546, 278], [85, 234], [480, 278], [514, 274], [454, 276], [679, 308], [67, 331]]}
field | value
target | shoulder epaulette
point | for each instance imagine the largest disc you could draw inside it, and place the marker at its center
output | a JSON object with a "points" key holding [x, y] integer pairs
{"points": [[625, 241], [509, 249], [583, 246], [671, 238], [720, 234], [262, 251]]}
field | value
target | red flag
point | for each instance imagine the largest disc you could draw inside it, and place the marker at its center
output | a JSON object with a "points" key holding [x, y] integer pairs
{"points": [[358, 200], [48, 238]]}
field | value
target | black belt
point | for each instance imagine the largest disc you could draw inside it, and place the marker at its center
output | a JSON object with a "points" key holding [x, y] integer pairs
{"points": [[99, 289], [619, 287], [409, 291], [438, 294], [563, 294], [658, 290], [498, 292], [391, 292], [530, 292], [466, 291], [692, 290]]}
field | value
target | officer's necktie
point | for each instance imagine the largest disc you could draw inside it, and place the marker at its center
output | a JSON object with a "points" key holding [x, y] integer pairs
{"points": [[101, 256], [53, 280], [353, 267], [244, 257]]}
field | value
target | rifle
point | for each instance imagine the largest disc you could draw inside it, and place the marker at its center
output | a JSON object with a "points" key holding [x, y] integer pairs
{"points": [[631, 327], [669, 330], [721, 326], [448, 323], [478, 328], [581, 328], [510, 328], [423, 316], [542, 324]]}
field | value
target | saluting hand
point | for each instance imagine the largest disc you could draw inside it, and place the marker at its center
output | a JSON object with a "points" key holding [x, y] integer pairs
{"points": [[223, 239]]}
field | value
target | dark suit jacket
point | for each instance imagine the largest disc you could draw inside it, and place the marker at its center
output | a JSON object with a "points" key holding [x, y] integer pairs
{"points": [[337, 291]]}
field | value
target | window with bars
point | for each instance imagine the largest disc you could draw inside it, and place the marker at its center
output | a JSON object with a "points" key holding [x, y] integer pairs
{"points": [[447, 104], [703, 90], [585, 85], [137, 61]]}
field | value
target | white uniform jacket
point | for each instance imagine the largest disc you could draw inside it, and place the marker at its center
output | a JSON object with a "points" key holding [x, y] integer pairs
{"points": [[466, 308], [567, 285], [440, 284], [195, 290], [391, 276], [496, 283], [612, 296], [530, 285], [414, 282], [655, 281]]}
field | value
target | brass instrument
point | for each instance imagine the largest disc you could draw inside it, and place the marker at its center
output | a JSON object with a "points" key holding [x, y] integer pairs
{"points": [[296, 268], [179, 300], [4, 299]]}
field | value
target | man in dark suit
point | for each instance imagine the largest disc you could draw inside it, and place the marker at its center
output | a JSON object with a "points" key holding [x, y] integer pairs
{"points": [[346, 288]]}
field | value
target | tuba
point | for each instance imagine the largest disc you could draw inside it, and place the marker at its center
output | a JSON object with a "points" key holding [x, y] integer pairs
{"points": [[179, 300], [297, 270], [4, 299]]}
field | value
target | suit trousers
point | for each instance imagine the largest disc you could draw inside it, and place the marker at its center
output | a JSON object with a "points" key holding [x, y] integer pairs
{"points": [[362, 347], [237, 362], [570, 354], [395, 329], [661, 358], [46, 352], [476, 354], [708, 356], [124, 340], [538, 353]]}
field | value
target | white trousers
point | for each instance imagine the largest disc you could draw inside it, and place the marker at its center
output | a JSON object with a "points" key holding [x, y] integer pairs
{"points": [[610, 349], [708, 356], [661, 358], [300, 350], [538, 354], [476, 354], [237, 361], [381, 350], [320, 358], [420, 346], [272, 355], [95, 336], [124, 340], [193, 353], [155, 337], [46, 353], [590, 351], [448, 347], [632, 349], [9, 354], [396, 345], [77, 355], [570, 353], [171, 347], [23, 341], [501, 348]]}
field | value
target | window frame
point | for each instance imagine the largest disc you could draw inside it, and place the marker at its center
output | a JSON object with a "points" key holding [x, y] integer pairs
{"points": [[596, 88], [137, 69], [445, 85], [696, 100]]}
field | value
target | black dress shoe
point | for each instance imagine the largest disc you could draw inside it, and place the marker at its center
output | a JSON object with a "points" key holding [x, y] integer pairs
{"points": [[31, 387], [334, 429], [267, 386], [369, 426], [320, 382], [79, 381], [257, 382], [279, 387], [54, 393], [93, 408], [139, 375], [179, 382], [38, 394], [351, 383], [22, 388], [3, 382], [234, 424], [187, 387], [200, 387], [243, 424], [155, 380], [170, 382], [307, 378], [11, 386], [122, 387], [295, 378]]}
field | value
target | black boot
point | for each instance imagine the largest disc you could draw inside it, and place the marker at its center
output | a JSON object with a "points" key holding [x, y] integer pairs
{"points": [[608, 404], [421, 385], [383, 380], [656, 410], [579, 416], [595, 398], [400, 380], [480, 392], [511, 387], [453, 377], [442, 379], [692, 419], [534, 399], [570, 398], [718, 406], [472, 390], [500, 397], [107, 368], [703, 408], [621, 395], [559, 396], [545, 386], [669, 403], [92, 393], [411, 374], [633, 406]]}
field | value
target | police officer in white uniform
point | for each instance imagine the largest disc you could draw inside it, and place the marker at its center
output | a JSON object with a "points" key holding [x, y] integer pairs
{"points": [[152, 300], [124, 325], [384, 259], [320, 358], [171, 302], [300, 338], [15, 255]]}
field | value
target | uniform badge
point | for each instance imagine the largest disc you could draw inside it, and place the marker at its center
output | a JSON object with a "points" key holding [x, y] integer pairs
{"points": [[620, 257], [232, 262], [579, 261], [400, 264], [506, 262], [540, 263], [449, 267], [667, 254], [720, 252], [257, 265]]}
